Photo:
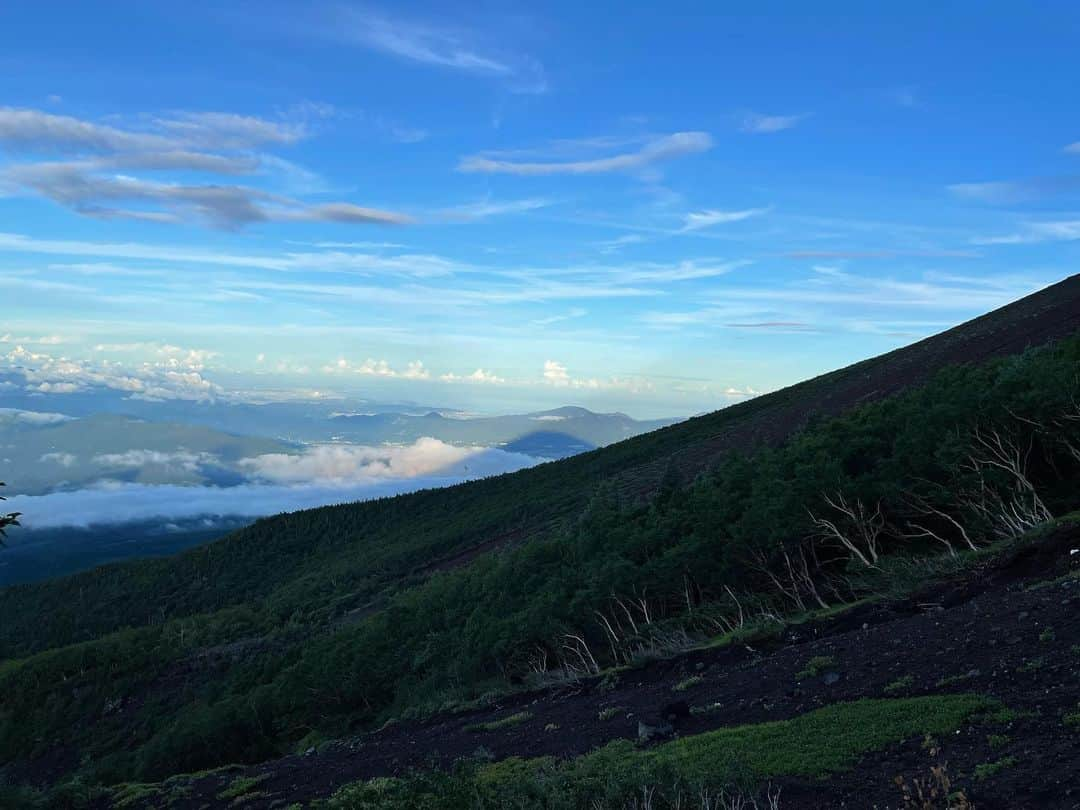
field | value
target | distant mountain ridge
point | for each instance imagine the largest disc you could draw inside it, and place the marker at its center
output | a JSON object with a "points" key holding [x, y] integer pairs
{"points": [[565, 430]]}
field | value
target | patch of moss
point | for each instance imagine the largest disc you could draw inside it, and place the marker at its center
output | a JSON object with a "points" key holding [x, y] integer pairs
{"points": [[988, 769], [815, 666], [953, 680], [900, 685], [131, 794], [687, 683], [1031, 665], [503, 722], [242, 786], [1072, 719]]}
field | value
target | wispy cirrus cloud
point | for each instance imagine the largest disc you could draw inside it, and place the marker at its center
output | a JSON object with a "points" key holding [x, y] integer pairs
{"points": [[760, 123], [37, 131], [485, 209], [653, 149], [696, 220], [437, 44], [1032, 232], [1006, 192]]}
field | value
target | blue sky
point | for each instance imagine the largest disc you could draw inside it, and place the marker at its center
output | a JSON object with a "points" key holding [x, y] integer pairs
{"points": [[497, 206]]}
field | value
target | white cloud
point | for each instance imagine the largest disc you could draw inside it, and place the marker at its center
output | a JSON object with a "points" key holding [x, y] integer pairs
{"points": [[316, 478], [658, 148], [556, 373], [759, 123], [33, 417], [63, 459], [39, 340], [478, 376], [414, 370], [37, 131], [137, 459], [353, 463], [706, 219], [1073, 148], [176, 374], [102, 196], [90, 184]]}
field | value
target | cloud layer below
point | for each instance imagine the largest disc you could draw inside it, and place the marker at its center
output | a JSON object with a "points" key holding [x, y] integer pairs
{"points": [[279, 483]]}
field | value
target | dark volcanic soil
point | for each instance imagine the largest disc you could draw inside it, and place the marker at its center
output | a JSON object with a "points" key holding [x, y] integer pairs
{"points": [[1010, 630]]}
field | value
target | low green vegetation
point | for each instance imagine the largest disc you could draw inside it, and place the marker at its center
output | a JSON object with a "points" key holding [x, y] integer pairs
{"points": [[1072, 719], [900, 685], [816, 666], [954, 680], [687, 683], [609, 713], [242, 786], [989, 769], [997, 740], [740, 756], [1031, 665], [503, 722]]}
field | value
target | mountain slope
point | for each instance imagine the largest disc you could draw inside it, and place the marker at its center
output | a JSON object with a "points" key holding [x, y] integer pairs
{"points": [[296, 555], [941, 640]]}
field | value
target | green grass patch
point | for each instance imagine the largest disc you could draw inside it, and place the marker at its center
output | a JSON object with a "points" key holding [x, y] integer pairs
{"points": [[997, 740], [988, 769], [815, 744], [134, 793], [900, 685], [815, 666], [609, 713], [242, 786], [687, 683], [1072, 719], [1032, 665], [503, 722], [953, 680]]}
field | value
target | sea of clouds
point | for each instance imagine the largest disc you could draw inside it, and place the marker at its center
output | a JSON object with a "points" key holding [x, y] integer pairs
{"points": [[275, 482]]}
